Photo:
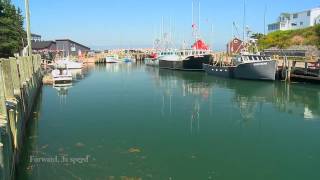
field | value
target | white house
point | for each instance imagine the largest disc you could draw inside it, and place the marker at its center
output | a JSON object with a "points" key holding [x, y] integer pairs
{"points": [[291, 21]]}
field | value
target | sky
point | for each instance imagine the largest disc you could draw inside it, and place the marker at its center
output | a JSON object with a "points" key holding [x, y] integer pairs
{"points": [[104, 24]]}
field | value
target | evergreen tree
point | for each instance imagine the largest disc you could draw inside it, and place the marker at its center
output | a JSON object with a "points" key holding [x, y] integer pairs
{"points": [[12, 34]]}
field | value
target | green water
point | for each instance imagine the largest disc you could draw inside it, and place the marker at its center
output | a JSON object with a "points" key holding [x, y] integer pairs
{"points": [[138, 122]]}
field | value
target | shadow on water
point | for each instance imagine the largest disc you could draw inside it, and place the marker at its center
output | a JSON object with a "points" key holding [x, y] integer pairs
{"points": [[30, 142]]}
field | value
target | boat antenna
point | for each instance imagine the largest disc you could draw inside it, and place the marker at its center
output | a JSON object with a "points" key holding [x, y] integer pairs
{"points": [[199, 16], [244, 20], [264, 20], [193, 25], [162, 32]]}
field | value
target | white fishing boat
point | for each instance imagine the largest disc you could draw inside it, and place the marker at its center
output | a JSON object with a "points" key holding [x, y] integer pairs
{"points": [[68, 64], [61, 76], [112, 59]]}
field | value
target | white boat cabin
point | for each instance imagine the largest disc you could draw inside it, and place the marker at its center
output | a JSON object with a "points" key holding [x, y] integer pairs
{"points": [[185, 52], [240, 59]]}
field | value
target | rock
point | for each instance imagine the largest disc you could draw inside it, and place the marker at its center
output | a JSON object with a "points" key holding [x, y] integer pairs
{"points": [[134, 150], [79, 145]]}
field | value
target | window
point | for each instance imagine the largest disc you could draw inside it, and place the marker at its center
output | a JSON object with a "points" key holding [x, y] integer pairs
{"points": [[295, 16], [273, 27], [301, 23]]}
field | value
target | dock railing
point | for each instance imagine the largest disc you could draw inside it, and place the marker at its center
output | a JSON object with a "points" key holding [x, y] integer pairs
{"points": [[20, 81]]}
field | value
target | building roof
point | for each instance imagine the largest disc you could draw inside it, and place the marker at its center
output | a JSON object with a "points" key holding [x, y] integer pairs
{"points": [[38, 45], [35, 35], [73, 42]]}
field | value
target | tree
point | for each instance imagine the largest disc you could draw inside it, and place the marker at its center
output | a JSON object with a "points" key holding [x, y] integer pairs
{"points": [[12, 34]]}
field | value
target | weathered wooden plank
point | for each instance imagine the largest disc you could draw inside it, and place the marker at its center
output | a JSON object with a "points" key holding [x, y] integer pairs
{"points": [[3, 109], [21, 71], [7, 78], [15, 76]]}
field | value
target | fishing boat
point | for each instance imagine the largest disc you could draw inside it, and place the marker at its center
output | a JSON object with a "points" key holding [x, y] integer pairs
{"points": [[61, 75], [186, 59], [151, 62], [112, 59], [68, 64], [245, 66], [128, 59]]}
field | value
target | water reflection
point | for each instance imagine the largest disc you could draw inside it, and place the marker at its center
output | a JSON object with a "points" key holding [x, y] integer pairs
{"points": [[249, 97], [126, 117], [118, 67], [62, 92], [299, 99], [176, 85]]}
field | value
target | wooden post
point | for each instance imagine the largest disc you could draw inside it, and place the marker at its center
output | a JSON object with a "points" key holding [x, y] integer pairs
{"points": [[3, 109], [12, 122], [7, 78], [289, 71], [15, 76], [27, 11], [3, 123], [21, 71], [26, 69]]}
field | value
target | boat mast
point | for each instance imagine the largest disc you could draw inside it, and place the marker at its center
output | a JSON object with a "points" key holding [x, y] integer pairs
{"points": [[264, 19], [244, 20], [195, 25], [199, 17]]}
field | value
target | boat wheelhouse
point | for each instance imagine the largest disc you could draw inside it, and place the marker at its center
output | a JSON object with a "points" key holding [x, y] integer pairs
{"points": [[245, 66]]}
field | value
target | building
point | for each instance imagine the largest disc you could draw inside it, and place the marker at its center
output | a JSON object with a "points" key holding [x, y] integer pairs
{"points": [[235, 46], [43, 46], [291, 21], [47, 49], [35, 37], [71, 48]]}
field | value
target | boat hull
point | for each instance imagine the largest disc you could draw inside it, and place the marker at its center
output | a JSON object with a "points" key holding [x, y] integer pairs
{"points": [[252, 71], [219, 71], [192, 63], [256, 70]]}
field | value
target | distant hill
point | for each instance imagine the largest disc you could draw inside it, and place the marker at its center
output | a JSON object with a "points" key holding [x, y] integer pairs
{"points": [[285, 39]]}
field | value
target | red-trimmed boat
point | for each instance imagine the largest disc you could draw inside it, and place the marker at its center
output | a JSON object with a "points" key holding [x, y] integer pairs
{"points": [[186, 59]]}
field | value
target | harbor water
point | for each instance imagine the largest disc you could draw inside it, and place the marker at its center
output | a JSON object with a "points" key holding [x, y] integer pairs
{"points": [[131, 121]]}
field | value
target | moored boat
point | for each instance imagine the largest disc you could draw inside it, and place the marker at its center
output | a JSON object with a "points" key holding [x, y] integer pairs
{"points": [[186, 59], [246, 66], [61, 75], [112, 59], [68, 64]]}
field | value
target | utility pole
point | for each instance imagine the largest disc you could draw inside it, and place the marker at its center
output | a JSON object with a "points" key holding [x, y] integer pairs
{"points": [[264, 20], [244, 21], [28, 27]]}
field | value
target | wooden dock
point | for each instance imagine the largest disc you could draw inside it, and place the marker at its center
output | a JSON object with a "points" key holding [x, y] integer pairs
{"points": [[139, 56], [20, 82]]}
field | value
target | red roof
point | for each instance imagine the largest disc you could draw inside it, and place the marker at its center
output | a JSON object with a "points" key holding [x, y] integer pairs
{"points": [[200, 44]]}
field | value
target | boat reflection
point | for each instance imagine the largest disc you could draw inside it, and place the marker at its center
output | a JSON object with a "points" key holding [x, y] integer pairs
{"points": [[251, 97], [248, 97], [187, 85], [118, 67], [63, 90]]}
